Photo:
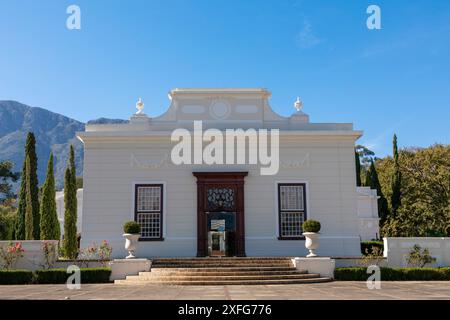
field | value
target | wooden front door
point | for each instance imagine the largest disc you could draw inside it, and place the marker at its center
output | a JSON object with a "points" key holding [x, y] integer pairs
{"points": [[220, 193]]}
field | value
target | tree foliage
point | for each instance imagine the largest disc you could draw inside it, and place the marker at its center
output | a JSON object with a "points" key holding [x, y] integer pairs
{"points": [[7, 219], [70, 209], [425, 192], [29, 217], [31, 176], [49, 217], [373, 182], [358, 169], [396, 180], [365, 157], [6, 177]]}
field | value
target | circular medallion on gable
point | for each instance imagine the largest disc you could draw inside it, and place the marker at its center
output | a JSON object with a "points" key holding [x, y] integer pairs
{"points": [[219, 109]]}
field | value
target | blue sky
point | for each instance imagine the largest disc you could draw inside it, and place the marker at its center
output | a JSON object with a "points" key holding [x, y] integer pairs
{"points": [[396, 79]]}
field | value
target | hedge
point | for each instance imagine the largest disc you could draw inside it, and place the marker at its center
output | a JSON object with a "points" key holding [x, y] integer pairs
{"points": [[16, 276], [391, 274], [369, 245], [88, 275]]}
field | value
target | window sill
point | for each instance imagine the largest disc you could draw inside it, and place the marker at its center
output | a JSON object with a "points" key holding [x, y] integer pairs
{"points": [[150, 239], [291, 238]]}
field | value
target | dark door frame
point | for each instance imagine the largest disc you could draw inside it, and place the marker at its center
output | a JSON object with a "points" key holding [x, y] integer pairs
{"points": [[233, 180]]}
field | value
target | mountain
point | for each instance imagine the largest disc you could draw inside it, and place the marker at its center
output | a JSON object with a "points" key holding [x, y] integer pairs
{"points": [[107, 121], [53, 132]]}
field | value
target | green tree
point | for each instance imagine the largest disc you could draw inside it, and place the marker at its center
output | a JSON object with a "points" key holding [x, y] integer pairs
{"points": [[70, 206], [365, 157], [7, 220], [373, 182], [368, 179], [6, 177], [358, 169], [425, 186], [396, 179], [49, 217], [29, 217], [31, 175]]}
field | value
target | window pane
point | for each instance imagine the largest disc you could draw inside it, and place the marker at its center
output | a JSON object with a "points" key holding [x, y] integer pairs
{"points": [[150, 224], [149, 199], [291, 224], [291, 197]]}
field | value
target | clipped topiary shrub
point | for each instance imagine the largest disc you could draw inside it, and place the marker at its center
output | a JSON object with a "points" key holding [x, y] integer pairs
{"points": [[311, 226], [394, 274], [95, 275], [351, 274], [16, 277], [59, 276], [367, 247], [51, 276], [131, 227]]}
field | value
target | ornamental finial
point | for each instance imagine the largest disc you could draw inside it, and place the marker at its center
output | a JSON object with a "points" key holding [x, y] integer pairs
{"points": [[139, 106], [298, 104]]}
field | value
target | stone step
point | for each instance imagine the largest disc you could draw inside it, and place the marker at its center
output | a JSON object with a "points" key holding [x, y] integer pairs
{"points": [[201, 260], [218, 265], [224, 259], [215, 272], [226, 282], [223, 269], [153, 278]]}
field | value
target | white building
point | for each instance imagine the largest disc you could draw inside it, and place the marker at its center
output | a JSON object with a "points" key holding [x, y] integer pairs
{"points": [[192, 209], [369, 222]]}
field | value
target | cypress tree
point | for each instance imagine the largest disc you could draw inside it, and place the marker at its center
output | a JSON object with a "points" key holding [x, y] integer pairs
{"points": [[19, 229], [373, 182], [29, 223], [73, 168], [70, 209], [49, 217], [396, 180], [358, 169], [368, 180], [30, 152]]}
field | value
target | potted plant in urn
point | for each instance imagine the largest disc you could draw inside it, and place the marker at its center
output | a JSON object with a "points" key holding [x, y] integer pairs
{"points": [[131, 234], [311, 230]]}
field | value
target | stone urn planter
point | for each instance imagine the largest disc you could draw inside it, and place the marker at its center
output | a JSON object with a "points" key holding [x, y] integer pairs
{"points": [[131, 234], [311, 243], [311, 230]]}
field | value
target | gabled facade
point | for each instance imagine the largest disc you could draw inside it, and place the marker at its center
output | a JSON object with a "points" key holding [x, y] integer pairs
{"points": [[202, 209]]}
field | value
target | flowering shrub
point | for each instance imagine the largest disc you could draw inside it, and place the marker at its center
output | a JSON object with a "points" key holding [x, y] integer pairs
{"points": [[50, 251], [95, 252], [10, 254], [104, 252]]}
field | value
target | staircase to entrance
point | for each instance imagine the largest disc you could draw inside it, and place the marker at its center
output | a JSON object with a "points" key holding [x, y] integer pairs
{"points": [[223, 271]]}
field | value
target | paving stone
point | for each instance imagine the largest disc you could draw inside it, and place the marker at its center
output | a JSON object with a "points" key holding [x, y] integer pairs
{"points": [[333, 290]]}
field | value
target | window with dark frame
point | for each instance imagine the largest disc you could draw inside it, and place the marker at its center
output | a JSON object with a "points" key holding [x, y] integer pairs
{"points": [[149, 210], [291, 210]]}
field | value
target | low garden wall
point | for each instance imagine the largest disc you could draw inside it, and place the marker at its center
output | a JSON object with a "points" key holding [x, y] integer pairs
{"points": [[83, 264], [33, 257], [345, 262], [396, 250]]}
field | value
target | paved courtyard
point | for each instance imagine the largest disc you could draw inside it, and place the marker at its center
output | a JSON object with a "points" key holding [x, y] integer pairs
{"points": [[332, 290]]}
